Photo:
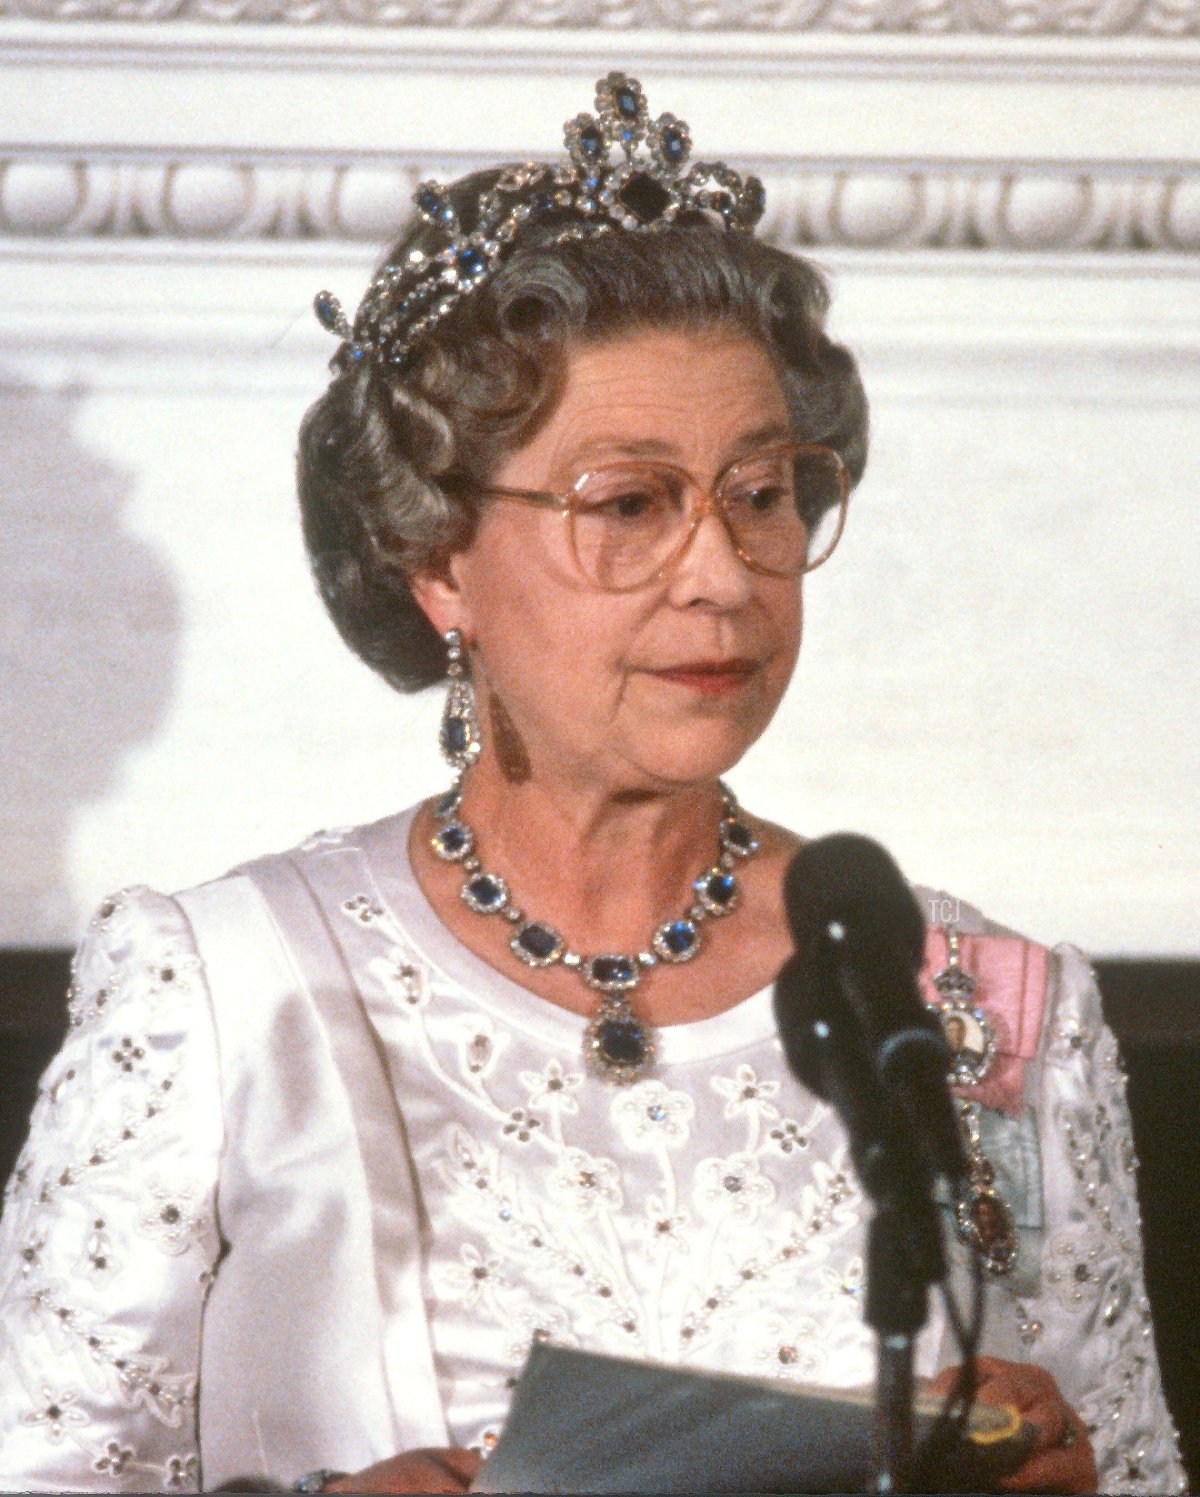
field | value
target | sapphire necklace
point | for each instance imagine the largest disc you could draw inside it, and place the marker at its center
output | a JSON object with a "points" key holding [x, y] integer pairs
{"points": [[618, 1047]]}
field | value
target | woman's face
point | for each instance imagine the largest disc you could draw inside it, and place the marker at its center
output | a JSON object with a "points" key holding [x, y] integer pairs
{"points": [[665, 685]]}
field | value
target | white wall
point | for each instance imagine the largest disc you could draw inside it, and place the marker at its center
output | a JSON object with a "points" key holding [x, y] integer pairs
{"points": [[1000, 674]]}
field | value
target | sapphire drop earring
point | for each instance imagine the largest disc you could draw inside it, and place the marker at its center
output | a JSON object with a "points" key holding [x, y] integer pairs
{"points": [[458, 736]]}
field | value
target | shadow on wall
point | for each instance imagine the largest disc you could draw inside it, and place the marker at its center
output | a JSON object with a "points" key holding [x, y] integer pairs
{"points": [[89, 643]]}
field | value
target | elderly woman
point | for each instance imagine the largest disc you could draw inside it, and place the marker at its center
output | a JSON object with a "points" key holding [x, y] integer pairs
{"points": [[335, 1137]]}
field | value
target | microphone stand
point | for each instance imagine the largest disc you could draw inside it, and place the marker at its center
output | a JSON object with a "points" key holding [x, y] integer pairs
{"points": [[896, 1309], [905, 1258], [904, 1252]]}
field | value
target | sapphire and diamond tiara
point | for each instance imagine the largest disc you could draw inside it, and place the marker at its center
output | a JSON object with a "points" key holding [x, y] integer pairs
{"points": [[625, 171]]}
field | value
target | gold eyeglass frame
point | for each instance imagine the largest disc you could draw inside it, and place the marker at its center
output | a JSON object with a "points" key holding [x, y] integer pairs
{"points": [[708, 502]]}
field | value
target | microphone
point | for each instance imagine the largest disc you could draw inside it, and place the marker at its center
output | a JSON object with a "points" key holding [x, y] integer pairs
{"points": [[856, 1031], [853, 1024]]}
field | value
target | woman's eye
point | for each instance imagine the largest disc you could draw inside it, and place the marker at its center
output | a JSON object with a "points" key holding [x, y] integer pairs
{"points": [[628, 504], [764, 499], [631, 506]]}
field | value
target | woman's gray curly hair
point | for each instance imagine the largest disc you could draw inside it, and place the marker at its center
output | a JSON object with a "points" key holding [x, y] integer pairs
{"points": [[392, 457]]}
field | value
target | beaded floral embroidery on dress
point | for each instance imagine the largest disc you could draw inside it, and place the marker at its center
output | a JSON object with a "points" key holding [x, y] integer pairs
{"points": [[607, 1220], [1092, 1289], [709, 1216], [98, 1216]]}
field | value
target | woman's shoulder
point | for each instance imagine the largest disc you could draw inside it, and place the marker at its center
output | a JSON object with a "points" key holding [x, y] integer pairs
{"points": [[136, 955], [326, 845], [151, 960], [141, 915]]}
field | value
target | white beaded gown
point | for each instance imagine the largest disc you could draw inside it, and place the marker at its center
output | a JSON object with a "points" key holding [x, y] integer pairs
{"points": [[303, 1197]]}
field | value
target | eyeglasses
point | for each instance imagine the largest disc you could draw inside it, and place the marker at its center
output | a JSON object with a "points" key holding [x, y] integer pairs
{"points": [[783, 509]]}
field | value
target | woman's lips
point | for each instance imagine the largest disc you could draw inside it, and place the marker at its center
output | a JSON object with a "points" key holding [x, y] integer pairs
{"points": [[711, 677]]}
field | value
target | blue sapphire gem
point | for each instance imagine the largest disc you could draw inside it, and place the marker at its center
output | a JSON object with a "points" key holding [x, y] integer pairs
{"points": [[485, 893], [431, 202], [674, 145], [452, 842], [592, 142], [645, 198], [625, 101], [470, 262], [677, 940], [541, 201], [455, 735], [738, 838], [613, 974], [717, 891], [621, 1042], [537, 944], [328, 310], [447, 803], [679, 936]]}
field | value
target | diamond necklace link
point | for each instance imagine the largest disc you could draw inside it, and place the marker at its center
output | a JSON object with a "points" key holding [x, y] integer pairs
{"points": [[617, 1045]]}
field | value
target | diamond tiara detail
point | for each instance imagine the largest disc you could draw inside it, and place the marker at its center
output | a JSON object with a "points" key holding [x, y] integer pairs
{"points": [[625, 171]]}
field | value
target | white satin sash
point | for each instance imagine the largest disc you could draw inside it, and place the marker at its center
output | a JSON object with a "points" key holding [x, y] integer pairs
{"points": [[315, 1348]]}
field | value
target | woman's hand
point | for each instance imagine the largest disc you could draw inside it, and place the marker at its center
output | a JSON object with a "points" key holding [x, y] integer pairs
{"points": [[415, 1471], [1062, 1459]]}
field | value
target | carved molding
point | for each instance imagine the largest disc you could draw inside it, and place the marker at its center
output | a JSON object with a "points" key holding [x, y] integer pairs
{"points": [[357, 93], [868, 207], [1094, 18]]}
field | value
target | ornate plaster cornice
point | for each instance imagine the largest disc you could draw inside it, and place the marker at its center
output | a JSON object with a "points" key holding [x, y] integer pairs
{"points": [[875, 205], [361, 92], [1021, 18]]}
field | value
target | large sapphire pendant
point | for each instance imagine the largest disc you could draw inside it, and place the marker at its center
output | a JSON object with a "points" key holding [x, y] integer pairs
{"points": [[616, 1046]]}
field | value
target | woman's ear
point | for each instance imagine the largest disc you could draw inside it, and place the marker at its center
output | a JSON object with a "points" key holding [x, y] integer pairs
{"points": [[440, 597]]}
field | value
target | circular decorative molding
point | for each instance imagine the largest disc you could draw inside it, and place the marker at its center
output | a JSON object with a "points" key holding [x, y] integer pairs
{"points": [[870, 207], [1164, 18]]}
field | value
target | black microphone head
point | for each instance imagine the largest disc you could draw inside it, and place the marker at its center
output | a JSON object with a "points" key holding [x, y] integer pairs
{"points": [[799, 1002], [852, 881], [860, 943]]}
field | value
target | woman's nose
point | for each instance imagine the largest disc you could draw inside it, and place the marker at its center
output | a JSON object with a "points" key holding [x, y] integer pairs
{"points": [[710, 570]]}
